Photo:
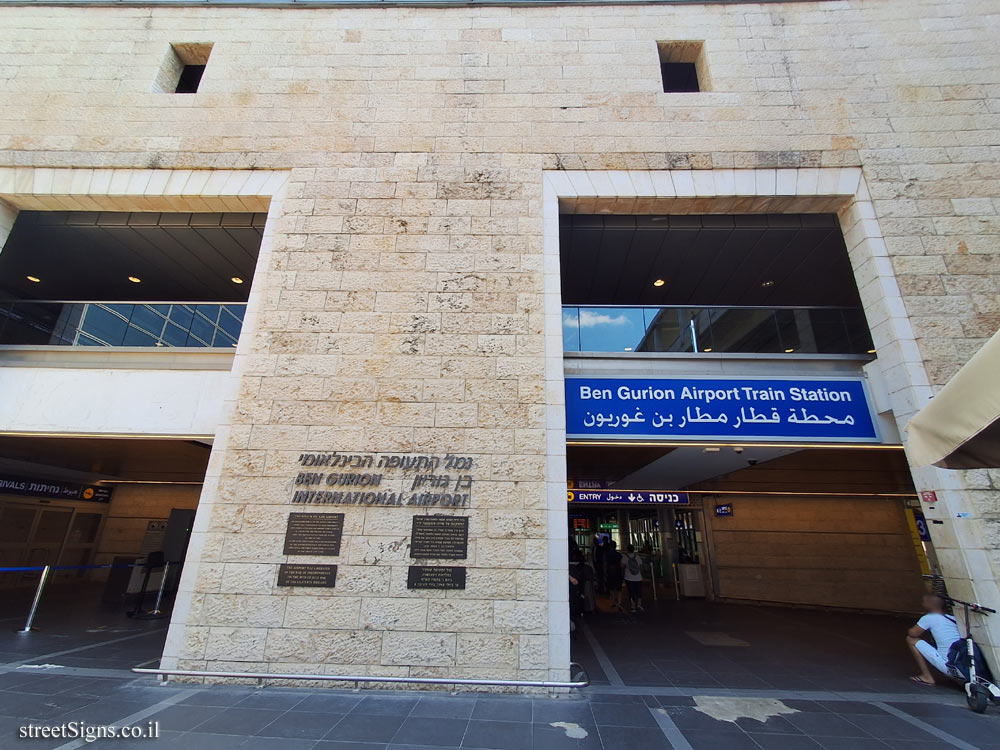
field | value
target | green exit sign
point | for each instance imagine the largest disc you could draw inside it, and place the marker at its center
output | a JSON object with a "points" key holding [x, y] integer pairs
{"points": [[608, 527]]}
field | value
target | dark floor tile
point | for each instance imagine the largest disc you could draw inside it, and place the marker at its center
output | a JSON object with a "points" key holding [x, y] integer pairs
{"points": [[708, 740], [774, 725], [217, 695], [623, 716], [182, 718], [689, 718], [825, 724], [785, 742], [807, 706], [854, 707], [244, 721], [632, 738], [448, 707], [851, 743], [919, 744], [388, 705], [546, 711], [674, 700], [332, 703], [274, 743], [498, 735], [357, 727], [889, 728], [974, 729], [197, 741], [596, 698], [274, 700], [301, 725], [503, 709], [106, 711], [328, 745], [437, 732], [547, 737]]}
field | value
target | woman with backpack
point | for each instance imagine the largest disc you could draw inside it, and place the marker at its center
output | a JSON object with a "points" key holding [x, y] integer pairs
{"points": [[632, 566]]}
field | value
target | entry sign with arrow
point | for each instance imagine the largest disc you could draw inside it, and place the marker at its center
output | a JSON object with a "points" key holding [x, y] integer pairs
{"points": [[626, 497]]}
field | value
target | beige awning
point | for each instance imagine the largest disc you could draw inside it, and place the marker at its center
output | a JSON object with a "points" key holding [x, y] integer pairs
{"points": [[960, 427]]}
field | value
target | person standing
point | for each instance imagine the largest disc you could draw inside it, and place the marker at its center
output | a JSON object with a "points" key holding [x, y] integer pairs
{"points": [[598, 558], [632, 566], [613, 574]]}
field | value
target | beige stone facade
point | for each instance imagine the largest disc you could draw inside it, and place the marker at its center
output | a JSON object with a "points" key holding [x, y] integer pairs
{"points": [[402, 299]]}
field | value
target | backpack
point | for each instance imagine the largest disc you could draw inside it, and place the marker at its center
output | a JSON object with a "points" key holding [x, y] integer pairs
{"points": [[958, 660], [634, 566]]}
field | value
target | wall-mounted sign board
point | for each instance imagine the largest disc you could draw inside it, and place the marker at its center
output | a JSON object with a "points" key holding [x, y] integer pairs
{"points": [[727, 409], [628, 497]]}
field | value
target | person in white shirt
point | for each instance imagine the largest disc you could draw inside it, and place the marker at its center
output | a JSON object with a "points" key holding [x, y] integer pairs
{"points": [[943, 629]]}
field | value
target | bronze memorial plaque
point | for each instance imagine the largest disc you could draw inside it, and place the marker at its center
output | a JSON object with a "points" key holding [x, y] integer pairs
{"points": [[440, 537], [317, 576], [314, 534], [435, 577]]}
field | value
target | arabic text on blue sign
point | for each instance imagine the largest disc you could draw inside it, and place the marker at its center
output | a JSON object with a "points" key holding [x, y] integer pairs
{"points": [[742, 409], [628, 496]]}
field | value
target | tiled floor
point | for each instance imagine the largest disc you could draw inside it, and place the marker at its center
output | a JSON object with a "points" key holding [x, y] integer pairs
{"points": [[841, 680]]}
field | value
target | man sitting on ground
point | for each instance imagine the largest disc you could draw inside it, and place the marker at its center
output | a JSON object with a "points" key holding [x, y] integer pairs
{"points": [[943, 629]]}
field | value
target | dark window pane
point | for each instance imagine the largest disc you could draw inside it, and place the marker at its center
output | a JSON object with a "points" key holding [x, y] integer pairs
{"points": [[230, 324], [135, 337], [202, 330], [175, 335], [104, 325], [145, 318], [181, 315]]}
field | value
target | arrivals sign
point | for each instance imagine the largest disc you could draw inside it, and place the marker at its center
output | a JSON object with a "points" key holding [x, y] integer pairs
{"points": [[730, 409], [36, 487], [625, 497]]}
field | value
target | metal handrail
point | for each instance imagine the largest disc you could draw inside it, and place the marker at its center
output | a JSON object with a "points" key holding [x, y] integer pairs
{"points": [[356, 679]]}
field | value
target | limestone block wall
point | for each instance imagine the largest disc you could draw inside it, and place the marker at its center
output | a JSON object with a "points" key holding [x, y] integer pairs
{"points": [[399, 307]]}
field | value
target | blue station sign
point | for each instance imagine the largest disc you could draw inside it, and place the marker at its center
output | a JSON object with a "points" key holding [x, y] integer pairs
{"points": [[730, 409], [626, 497]]}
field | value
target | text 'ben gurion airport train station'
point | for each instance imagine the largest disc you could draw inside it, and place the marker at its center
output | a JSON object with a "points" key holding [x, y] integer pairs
{"points": [[500, 374]]}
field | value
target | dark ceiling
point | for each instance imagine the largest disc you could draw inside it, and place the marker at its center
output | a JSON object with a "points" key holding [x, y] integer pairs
{"points": [[137, 459], [706, 260], [88, 256]]}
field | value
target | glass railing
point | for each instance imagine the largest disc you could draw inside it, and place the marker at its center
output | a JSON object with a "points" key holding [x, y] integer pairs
{"points": [[154, 324], [722, 330]]}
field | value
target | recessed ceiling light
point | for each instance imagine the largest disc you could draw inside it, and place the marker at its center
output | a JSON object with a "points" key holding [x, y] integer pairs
{"points": [[871, 351], [33, 279], [711, 449], [767, 283], [628, 348], [236, 280], [659, 282], [135, 279], [789, 351], [707, 349]]}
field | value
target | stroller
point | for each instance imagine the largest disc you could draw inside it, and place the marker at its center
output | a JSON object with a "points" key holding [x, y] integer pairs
{"points": [[966, 663]]}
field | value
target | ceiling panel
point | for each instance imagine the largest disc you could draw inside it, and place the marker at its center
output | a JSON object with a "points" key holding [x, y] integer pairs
{"points": [[706, 260], [90, 255]]}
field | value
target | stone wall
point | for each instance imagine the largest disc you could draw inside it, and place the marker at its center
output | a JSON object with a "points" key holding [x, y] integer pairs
{"points": [[400, 306]]}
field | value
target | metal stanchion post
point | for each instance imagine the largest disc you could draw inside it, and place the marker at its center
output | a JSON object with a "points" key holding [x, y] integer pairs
{"points": [[159, 594], [652, 574], [38, 598]]}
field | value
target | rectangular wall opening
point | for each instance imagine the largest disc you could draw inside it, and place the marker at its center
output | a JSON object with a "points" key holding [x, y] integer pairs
{"points": [[682, 66], [183, 68]]}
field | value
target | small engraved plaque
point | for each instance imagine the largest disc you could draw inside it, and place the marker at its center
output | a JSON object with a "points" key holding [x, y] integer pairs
{"points": [[317, 576], [314, 534], [440, 537], [435, 577]]}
